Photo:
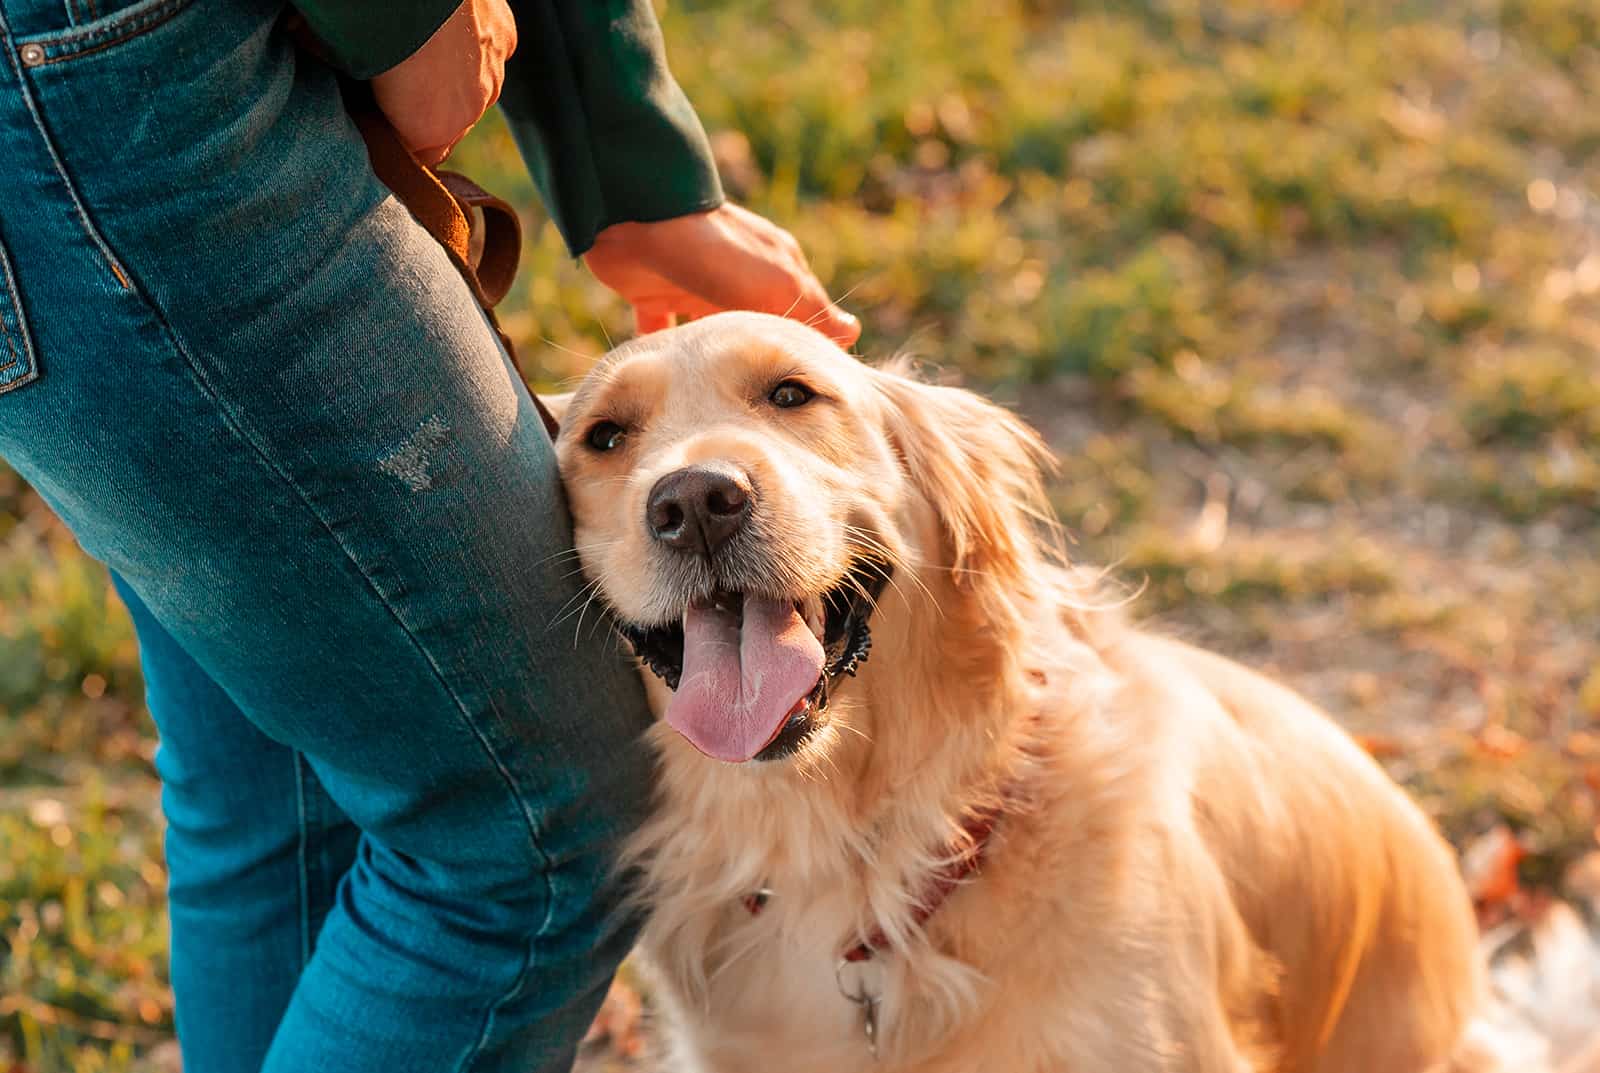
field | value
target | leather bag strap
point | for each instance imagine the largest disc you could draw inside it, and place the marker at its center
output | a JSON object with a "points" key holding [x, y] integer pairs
{"points": [[480, 232]]}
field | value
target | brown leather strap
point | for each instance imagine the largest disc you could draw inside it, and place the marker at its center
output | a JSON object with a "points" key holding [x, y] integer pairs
{"points": [[494, 236], [481, 233]]}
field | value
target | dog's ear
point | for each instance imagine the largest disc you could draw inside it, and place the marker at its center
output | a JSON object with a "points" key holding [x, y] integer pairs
{"points": [[980, 468], [556, 406]]}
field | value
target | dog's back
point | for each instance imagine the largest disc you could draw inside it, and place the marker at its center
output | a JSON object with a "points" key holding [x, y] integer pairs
{"points": [[1334, 873]]}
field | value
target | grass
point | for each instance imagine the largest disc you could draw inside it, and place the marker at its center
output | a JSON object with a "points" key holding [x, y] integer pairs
{"points": [[1306, 294]]}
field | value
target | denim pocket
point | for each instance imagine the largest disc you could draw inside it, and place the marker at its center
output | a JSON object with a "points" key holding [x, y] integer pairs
{"points": [[97, 35], [17, 363]]}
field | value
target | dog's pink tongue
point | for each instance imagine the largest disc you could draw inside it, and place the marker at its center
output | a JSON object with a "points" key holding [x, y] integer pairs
{"points": [[739, 684]]}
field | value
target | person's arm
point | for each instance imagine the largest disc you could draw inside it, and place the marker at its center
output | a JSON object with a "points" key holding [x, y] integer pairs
{"points": [[364, 38], [625, 170], [618, 155], [607, 134]]}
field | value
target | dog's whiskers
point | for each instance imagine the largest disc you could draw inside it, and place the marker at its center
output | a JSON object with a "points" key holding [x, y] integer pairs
{"points": [[567, 350], [824, 757], [574, 572], [870, 542], [576, 552], [806, 770], [798, 298], [846, 727], [599, 620], [822, 313], [865, 540], [589, 590], [563, 613], [869, 539], [853, 288]]}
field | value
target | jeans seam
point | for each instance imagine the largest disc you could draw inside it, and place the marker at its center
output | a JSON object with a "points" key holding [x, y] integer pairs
{"points": [[493, 1013], [300, 858], [236, 426], [26, 89]]}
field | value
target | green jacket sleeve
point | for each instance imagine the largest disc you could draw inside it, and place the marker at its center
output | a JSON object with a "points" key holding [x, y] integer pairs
{"points": [[367, 37], [607, 134]]}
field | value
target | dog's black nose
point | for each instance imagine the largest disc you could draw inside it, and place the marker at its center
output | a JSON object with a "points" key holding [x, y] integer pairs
{"points": [[699, 507]]}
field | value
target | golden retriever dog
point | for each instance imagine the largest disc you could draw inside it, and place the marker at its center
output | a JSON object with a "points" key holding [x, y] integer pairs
{"points": [[927, 801]]}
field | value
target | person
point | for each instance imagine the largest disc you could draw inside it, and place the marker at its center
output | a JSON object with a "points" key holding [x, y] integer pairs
{"points": [[396, 759]]}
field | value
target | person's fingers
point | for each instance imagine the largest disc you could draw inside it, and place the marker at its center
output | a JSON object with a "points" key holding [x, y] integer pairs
{"points": [[432, 158], [652, 317], [797, 297], [724, 259], [800, 297], [445, 153], [782, 283], [830, 320], [436, 155], [844, 328], [740, 282]]}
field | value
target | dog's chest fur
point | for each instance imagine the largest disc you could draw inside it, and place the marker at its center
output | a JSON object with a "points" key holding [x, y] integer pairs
{"points": [[767, 991], [763, 990], [770, 999]]}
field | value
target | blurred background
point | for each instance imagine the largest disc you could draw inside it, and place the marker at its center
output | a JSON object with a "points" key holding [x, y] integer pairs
{"points": [[1306, 295]]}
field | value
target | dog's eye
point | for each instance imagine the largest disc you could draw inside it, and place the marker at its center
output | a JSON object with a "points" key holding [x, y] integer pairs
{"points": [[789, 394], [607, 436]]}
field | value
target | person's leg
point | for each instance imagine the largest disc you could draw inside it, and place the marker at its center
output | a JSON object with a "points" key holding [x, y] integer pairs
{"points": [[255, 851], [295, 438]]}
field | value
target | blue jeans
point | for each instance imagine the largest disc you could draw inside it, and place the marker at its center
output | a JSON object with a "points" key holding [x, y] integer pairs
{"points": [[395, 761]]}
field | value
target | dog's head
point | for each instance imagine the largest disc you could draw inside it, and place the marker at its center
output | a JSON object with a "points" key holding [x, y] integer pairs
{"points": [[743, 492]]}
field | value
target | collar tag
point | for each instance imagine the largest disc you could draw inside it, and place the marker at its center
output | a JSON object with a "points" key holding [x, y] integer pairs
{"points": [[861, 983]]}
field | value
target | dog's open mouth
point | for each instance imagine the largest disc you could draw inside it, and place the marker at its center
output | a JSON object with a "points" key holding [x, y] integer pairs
{"points": [[750, 674]]}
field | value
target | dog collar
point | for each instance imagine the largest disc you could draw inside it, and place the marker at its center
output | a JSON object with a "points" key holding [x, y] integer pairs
{"points": [[965, 859], [965, 862]]}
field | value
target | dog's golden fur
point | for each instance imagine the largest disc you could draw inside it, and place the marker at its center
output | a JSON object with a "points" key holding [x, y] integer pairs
{"points": [[1200, 871]]}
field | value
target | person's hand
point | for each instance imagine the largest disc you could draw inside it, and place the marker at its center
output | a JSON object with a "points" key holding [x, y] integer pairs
{"points": [[707, 262], [436, 94]]}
